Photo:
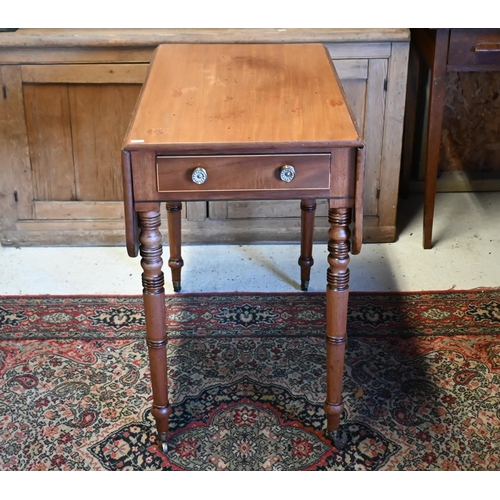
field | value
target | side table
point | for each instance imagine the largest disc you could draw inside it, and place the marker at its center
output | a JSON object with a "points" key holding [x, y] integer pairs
{"points": [[242, 121], [440, 50]]}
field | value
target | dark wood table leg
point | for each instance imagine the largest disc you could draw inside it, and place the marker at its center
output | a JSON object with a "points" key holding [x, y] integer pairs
{"points": [[306, 261], [174, 237], [436, 105], [154, 308], [337, 295]]}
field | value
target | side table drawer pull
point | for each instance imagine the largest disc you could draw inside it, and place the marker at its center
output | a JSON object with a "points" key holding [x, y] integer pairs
{"points": [[287, 173], [487, 47], [199, 175]]}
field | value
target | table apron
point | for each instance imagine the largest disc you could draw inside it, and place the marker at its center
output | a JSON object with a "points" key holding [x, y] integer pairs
{"points": [[158, 178]]}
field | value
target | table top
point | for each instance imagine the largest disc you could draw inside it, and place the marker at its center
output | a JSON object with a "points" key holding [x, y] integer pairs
{"points": [[240, 96]]}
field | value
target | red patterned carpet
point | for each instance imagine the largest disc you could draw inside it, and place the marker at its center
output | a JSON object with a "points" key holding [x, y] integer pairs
{"points": [[247, 383]]}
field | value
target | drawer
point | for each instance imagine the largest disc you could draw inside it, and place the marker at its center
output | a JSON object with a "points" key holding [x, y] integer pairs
{"points": [[474, 48], [241, 173]]}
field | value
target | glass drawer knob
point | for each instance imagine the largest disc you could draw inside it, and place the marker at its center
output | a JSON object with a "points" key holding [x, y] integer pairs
{"points": [[199, 175], [287, 173]]}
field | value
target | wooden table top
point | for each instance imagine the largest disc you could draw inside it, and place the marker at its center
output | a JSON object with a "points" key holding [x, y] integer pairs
{"points": [[235, 96]]}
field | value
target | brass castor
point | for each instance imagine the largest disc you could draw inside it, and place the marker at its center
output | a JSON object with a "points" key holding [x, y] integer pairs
{"points": [[304, 285], [164, 447], [162, 442], [177, 286]]}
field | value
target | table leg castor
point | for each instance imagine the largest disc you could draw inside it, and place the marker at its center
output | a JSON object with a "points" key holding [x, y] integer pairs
{"points": [[162, 442]]}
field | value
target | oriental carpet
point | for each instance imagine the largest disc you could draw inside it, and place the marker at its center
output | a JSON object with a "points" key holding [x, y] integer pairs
{"points": [[247, 385]]}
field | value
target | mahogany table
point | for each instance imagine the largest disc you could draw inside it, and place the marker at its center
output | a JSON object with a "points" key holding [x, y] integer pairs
{"points": [[242, 121]]}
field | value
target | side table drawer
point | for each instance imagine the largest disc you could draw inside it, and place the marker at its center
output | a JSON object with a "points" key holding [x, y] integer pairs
{"points": [[236, 173], [474, 48]]}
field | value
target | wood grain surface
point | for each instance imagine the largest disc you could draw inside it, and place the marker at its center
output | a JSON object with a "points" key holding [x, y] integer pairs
{"points": [[199, 95], [116, 37]]}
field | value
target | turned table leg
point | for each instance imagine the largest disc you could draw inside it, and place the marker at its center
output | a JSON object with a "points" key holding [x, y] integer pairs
{"points": [[337, 294], [174, 238], [154, 308], [307, 210]]}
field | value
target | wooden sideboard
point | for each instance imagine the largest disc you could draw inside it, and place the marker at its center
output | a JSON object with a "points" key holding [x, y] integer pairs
{"points": [[66, 97]]}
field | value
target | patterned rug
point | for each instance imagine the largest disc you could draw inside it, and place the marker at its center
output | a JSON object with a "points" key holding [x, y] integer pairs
{"points": [[247, 383]]}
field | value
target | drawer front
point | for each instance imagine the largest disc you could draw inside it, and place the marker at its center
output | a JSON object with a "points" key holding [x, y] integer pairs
{"points": [[242, 173], [474, 48]]}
